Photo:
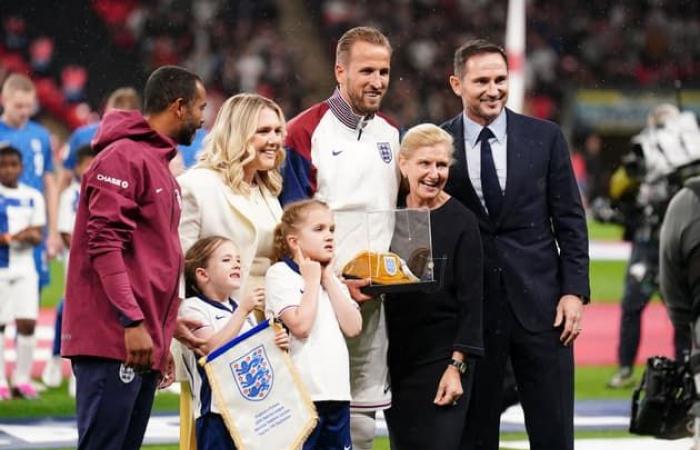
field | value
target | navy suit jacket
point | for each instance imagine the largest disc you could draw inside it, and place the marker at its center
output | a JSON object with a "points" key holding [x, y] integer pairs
{"points": [[536, 250]]}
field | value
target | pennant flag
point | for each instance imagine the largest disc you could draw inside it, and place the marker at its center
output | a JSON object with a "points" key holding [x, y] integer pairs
{"points": [[260, 395]]}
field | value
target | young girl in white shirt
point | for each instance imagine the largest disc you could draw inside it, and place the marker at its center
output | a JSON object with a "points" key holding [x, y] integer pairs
{"points": [[306, 295], [212, 273]]}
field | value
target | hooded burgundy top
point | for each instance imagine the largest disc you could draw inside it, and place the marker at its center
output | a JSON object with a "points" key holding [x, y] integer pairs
{"points": [[125, 256]]}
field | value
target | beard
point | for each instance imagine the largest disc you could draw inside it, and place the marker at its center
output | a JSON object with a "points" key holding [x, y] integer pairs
{"points": [[186, 134], [359, 106]]}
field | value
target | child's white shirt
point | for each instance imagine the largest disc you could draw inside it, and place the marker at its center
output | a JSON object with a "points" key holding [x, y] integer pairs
{"points": [[20, 208], [321, 359], [208, 313], [68, 207]]}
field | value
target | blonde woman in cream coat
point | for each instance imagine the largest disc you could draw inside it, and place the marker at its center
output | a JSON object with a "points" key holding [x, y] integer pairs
{"points": [[232, 192]]}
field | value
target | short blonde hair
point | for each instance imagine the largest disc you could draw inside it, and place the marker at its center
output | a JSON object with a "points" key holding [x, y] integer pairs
{"points": [[124, 98], [424, 135], [17, 82], [228, 146], [357, 34]]}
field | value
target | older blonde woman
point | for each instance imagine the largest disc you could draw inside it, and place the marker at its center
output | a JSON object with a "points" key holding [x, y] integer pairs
{"points": [[232, 192], [434, 335]]}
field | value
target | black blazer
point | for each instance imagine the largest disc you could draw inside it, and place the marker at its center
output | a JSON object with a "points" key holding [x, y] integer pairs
{"points": [[541, 211]]}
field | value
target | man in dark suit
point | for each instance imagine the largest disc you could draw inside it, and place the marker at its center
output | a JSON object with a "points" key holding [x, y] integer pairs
{"points": [[515, 174]]}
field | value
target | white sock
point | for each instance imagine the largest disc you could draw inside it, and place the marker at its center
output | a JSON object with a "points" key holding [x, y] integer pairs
{"points": [[25, 357], [362, 429], [3, 379]]}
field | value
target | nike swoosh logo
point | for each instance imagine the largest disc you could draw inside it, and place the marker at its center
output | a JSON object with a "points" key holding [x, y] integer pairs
{"points": [[336, 152], [347, 448], [158, 191], [219, 317]]}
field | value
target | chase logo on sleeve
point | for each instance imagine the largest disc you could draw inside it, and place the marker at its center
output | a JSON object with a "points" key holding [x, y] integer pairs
{"points": [[112, 180]]}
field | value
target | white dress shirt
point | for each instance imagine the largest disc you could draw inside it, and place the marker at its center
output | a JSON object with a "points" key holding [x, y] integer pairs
{"points": [[499, 145]]}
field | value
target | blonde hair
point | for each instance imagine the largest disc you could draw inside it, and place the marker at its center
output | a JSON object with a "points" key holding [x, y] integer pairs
{"points": [[198, 256], [17, 82], [294, 214], [357, 34], [228, 146], [124, 98], [424, 135]]}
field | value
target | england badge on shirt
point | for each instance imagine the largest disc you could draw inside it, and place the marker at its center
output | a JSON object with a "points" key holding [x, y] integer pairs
{"points": [[253, 374], [385, 151]]}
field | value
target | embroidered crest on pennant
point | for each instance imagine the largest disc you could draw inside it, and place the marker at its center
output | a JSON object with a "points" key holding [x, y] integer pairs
{"points": [[253, 374]]}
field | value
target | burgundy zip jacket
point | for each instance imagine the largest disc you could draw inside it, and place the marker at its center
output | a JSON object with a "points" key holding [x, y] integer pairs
{"points": [[125, 256]]}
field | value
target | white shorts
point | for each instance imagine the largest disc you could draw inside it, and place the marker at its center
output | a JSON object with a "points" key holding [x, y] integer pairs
{"points": [[19, 297], [369, 371]]}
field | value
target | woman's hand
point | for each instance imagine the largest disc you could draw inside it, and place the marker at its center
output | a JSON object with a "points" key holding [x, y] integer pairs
{"points": [[450, 388], [253, 300], [282, 340]]}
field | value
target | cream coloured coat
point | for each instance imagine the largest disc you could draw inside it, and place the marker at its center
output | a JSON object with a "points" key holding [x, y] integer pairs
{"points": [[209, 207]]}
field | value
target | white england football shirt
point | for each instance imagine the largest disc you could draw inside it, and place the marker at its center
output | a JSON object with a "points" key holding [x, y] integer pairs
{"points": [[20, 208], [322, 358], [67, 208]]}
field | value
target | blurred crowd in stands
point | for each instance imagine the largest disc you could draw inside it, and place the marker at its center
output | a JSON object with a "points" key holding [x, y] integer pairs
{"points": [[240, 46]]}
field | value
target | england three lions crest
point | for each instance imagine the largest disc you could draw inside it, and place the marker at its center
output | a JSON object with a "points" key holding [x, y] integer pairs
{"points": [[253, 374], [385, 151]]}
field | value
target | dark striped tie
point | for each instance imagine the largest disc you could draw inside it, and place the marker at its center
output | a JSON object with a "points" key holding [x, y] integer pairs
{"points": [[493, 196]]}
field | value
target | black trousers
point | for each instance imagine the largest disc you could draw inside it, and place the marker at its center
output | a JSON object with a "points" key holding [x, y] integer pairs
{"points": [[636, 297], [544, 371], [113, 404]]}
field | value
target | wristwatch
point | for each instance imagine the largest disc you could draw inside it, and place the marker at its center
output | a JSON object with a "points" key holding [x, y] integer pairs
{"points": [[460, 365]]}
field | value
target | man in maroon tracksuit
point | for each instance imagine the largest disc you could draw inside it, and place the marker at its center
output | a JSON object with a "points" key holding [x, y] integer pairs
{"points": [[125, 262]]}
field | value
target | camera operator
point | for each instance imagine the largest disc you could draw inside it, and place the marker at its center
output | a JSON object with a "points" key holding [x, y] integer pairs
{"points": [[642, 188], [680, 272]]}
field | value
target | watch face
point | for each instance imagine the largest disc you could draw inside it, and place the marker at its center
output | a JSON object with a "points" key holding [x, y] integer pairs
{"points": [[460, 365]]}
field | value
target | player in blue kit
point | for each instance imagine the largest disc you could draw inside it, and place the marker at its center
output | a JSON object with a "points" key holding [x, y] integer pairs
{"points": [[32, 140], [22, 217], [122, 98]]}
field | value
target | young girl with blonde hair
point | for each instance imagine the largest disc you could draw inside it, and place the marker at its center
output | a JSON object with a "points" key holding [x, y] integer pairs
{"points": [[212, 272], [306, 295]]}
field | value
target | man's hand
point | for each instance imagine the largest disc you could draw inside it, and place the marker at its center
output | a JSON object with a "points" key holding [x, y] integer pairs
{"points": [[570, 313], [139, 348], [354, 288], [184, 333], [168, 376]]}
